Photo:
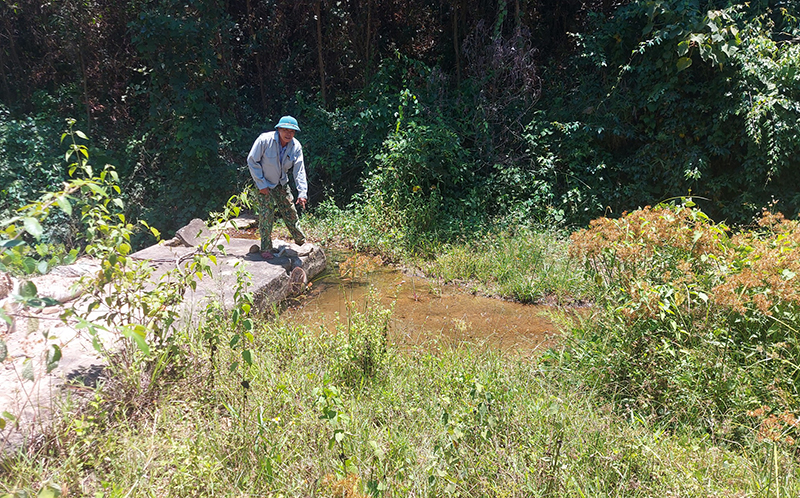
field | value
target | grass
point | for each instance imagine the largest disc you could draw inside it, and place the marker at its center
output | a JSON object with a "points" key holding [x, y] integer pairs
{"points": [[466, 421], [342, 413], [527, 265]]}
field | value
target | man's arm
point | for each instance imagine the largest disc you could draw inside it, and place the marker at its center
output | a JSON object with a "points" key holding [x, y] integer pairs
{"points": [[254, 163], [300, 179]]}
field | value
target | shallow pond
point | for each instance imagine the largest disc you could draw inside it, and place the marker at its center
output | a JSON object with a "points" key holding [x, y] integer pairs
{"points": [[425, 312]]}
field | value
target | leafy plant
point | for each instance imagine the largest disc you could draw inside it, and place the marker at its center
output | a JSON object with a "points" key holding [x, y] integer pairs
{"points": [[699, 327], [363, 354]]}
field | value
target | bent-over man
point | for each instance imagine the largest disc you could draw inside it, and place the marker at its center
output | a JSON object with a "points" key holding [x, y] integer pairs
{"points": [[273, 154]]}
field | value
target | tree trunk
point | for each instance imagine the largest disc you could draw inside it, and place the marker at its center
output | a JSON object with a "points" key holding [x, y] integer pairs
{"points": [[6, 88], [456, 50], [14, 64], [368, 41], [317, 13], [257, 55], [85, 90]]}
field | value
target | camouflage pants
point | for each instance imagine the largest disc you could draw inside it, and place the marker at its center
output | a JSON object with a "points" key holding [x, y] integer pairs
{"points": [[279, 198]]}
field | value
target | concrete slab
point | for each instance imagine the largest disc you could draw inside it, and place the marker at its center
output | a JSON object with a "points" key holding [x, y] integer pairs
{"points": [[35, 331], [269, 278]]}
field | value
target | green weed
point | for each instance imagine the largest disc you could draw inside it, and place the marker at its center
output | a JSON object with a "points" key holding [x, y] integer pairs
{"points": [[697, 327], [456, 422]]}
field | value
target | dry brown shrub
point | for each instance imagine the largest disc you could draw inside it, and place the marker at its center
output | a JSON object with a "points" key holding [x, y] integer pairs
{"points": [[677, 247]]}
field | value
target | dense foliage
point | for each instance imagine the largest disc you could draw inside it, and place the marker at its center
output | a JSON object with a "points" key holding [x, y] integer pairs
{"points": [[699, 327], [533, 110]]}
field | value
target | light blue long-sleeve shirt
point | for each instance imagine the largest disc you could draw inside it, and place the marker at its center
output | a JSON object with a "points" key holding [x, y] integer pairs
{"points": [[268, 169]]}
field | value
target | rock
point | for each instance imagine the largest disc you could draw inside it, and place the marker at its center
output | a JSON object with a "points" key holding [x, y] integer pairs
{"points": [[33, 332], [62, 289], [241, 223], [194, 234], [173, 242], [80, 268]]}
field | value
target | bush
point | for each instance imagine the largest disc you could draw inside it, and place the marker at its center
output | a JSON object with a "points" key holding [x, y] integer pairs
{"points": [[422, 176], [27, 170], [697, 326], [672, 97]]}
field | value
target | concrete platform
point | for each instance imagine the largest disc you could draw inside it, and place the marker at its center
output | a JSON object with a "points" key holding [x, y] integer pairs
{"points": [[269, 279], [32, 397]]}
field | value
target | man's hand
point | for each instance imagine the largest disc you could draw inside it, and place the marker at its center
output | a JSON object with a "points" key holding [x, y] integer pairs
{"points": [[264, 191], [301, 201]]}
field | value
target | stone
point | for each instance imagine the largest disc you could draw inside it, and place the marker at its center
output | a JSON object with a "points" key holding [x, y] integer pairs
{"points": [[297, 281], [241, 223], [6, 285], [194, 234]]}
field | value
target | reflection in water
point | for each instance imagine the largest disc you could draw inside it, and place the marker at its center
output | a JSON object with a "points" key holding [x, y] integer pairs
{"points": [[424, 311]]}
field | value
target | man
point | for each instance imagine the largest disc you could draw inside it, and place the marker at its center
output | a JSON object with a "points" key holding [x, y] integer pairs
{"points": [[273, 154]]}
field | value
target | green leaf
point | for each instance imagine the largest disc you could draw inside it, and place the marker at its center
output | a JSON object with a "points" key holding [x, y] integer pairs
{"points": [[247, 357], [27, 289], [684, 62], [138, 334], [27, 369], [50, 490], [81, 134], [338, 435], [71, 257], [97, 190], [29, 264], [64, 204], [42, 267], [33, 227], [53, 357], [8, 244]]}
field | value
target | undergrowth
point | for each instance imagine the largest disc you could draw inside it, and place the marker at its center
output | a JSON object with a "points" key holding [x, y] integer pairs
{"points": [[321, 415], [524, 264], [696, 326]]}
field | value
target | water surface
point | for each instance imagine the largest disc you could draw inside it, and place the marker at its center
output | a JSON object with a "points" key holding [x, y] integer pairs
{"points": [[425, 312]]}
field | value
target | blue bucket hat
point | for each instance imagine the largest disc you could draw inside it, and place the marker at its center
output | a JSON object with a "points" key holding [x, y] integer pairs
{"points": [[288, 122]]}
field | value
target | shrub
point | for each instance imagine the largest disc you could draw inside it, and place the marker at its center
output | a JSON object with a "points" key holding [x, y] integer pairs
{"points": [[697, 326]]}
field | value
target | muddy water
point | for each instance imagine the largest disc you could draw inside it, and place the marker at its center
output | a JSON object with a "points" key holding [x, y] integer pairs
{"points": [[425, 312]]}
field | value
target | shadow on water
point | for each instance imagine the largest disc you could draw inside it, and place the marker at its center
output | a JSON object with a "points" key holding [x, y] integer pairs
{"points": [[425, 312]]}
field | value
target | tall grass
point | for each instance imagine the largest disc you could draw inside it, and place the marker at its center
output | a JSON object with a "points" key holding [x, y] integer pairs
{"points": [[527, 265], [679, 383], [323, 414], [699, 327]]}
